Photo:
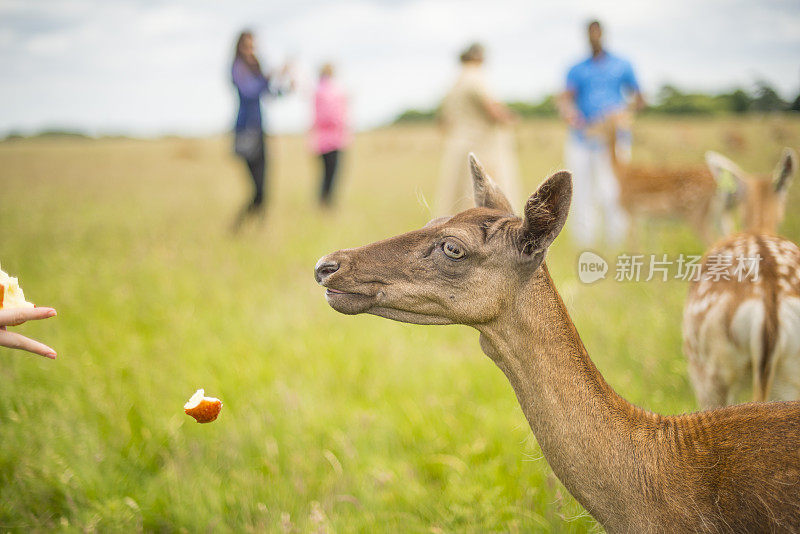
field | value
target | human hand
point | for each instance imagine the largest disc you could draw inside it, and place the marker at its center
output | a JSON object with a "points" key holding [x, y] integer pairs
{"points": [[574, 119], [289, 77], [17, 316]]}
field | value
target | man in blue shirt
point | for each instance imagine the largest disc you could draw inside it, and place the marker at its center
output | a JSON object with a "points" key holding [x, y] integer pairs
{"points": [[597, 88]]}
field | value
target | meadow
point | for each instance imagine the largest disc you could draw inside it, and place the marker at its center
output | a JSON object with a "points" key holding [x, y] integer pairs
{"points": [[330, 423]]}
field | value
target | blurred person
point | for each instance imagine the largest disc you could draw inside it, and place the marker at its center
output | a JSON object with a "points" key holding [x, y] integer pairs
{"points": [[250, 140], [329, 132], [600, 87], [17, 316], [474, 121]]}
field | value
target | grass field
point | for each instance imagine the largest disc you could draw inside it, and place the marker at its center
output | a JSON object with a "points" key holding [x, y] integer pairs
{"points": [[330, 422]]}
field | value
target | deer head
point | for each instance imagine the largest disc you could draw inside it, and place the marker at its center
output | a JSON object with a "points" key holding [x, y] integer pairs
{"points": [[764, 196], [463, 269]]}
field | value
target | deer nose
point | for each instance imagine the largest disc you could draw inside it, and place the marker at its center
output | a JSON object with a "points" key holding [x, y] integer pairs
{"points": [[324, 269]]}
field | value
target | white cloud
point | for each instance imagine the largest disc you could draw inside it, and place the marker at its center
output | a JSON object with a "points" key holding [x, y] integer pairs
{"points": [[148, 67]]}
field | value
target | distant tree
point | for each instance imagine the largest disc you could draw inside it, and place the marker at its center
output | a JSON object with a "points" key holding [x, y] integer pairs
{"points": [[59, 132], [667, 96], [796, 104], [672, 100], [13, 135], [767, 99], [740, 101], [544, 108], [668, 100], [737, 101], [416, 115]]}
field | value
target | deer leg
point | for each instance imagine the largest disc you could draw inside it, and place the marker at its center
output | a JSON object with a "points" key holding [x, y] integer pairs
{"points": [[716, 366], [711, 390], [699, 220], [785, 383], [634, 223], [783, 378]]}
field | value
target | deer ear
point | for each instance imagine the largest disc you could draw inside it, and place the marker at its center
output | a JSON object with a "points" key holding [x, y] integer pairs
{"points": [[487, 194], [545, 214], [784, 171], [726, 173]]}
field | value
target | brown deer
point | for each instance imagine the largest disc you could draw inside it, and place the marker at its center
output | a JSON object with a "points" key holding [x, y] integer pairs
{"points": [[741, 321], [736, 469], [688, 192]]}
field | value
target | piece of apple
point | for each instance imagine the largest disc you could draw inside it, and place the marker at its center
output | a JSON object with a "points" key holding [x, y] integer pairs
{"points": [[11, 295], [203, 409]]}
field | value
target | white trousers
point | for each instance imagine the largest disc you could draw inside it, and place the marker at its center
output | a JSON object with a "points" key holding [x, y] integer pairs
{"points": [[596, 216]]}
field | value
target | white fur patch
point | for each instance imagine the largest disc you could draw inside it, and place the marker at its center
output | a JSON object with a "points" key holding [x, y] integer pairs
{"points": [[747, 325], [786, 359], [724, 345]]}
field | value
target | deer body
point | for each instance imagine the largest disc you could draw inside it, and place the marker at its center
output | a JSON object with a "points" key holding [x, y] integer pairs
{"points": [[732, 470], [741, 331], [687, 192]]}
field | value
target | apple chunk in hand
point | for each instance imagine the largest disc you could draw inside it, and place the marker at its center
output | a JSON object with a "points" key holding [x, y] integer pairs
{"points": [[203, 409], [15, 310], [11, 295]]}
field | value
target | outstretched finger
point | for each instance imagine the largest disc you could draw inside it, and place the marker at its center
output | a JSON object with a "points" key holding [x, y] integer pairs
{"points": [[17, 316], [13, 340]]}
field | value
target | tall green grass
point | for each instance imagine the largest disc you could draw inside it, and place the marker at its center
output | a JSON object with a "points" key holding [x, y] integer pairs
{"points": [[330, 422]]}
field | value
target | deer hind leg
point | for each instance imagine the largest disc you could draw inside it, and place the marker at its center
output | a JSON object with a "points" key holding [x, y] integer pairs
{"points": [[699, 219], [783, 380], [785, 383], [710, 390], [718, 367], [717, 376], [747, 329]]}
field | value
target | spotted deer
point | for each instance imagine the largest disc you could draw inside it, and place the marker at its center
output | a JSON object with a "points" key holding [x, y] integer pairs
{"points": [[741, 321], [688, 192], [734, 469]]}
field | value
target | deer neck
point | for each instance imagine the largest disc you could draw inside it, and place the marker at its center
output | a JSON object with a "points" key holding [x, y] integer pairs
{"points": [[583, 427], [611, 139], [761, 208]]}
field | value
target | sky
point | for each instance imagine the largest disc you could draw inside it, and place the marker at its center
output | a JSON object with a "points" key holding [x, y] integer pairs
{"points": [[147, 67]]}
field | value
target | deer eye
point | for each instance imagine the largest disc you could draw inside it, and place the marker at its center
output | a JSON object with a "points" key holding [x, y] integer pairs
{"points": [[452, 250]]}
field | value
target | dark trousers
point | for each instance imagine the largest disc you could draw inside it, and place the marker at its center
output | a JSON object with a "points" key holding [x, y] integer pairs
{"points": [[257, 164], [330, 162], [255, 156]]}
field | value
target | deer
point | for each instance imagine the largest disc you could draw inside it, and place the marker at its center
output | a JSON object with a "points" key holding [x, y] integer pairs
{"points": [[741, 320], [688, 192], [734, 469]]}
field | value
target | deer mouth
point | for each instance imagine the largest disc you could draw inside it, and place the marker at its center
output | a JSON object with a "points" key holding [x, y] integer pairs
{"points": [[355, 303], [405, 316], [350, 303]]}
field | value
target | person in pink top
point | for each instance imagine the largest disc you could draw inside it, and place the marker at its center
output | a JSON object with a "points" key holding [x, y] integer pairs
{"points": [[329, 133]]}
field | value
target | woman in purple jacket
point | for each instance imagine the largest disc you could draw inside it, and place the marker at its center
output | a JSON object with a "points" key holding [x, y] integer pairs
{"points": [[251, 83]]}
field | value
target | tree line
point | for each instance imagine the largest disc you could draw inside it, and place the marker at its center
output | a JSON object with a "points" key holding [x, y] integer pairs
{"points": [[669, 100]]}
